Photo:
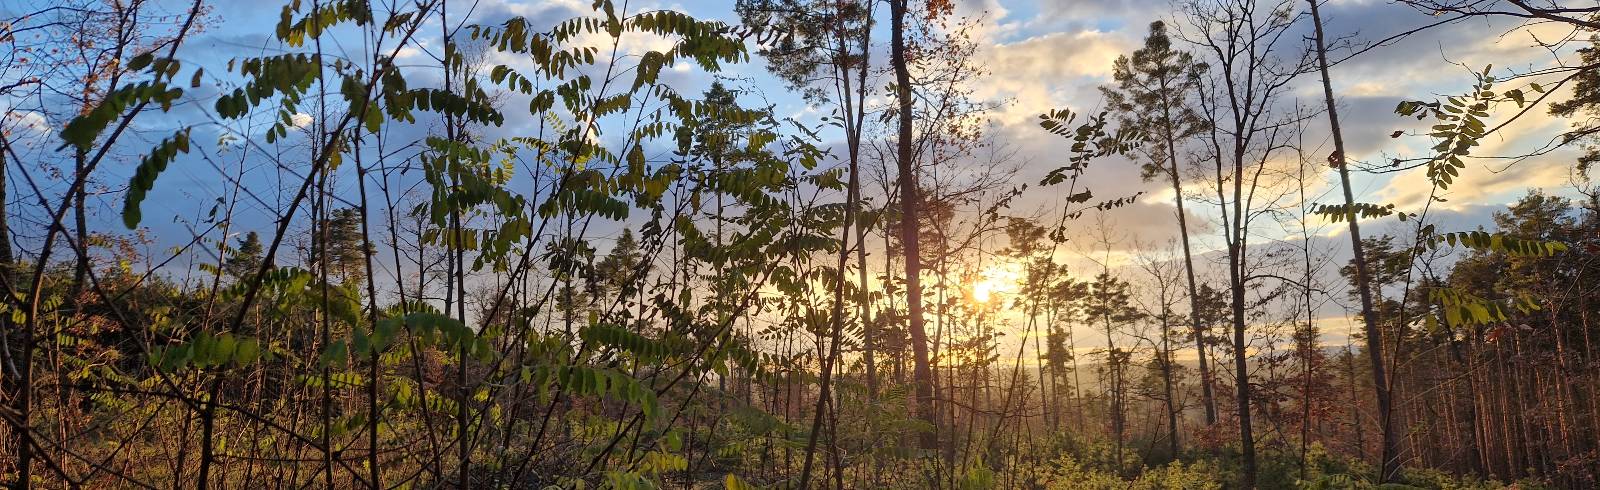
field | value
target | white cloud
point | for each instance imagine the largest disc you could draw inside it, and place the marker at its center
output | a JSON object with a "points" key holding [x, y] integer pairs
{"points": [[1046, 71], [1492, 177], [23, 120]]}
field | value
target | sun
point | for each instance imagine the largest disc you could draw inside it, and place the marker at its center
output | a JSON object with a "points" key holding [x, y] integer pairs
{"points": [[996, 280], [982, 291]]}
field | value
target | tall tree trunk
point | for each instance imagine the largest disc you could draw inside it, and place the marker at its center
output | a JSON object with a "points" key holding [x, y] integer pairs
{"points": [[1390, 462], [857, 110], [1114, 367], [374, 410], [1166, 378], [80, 270], [22, 395], [319, 227], [9, 374], [1241, 369], [1077, 379], [1355, 404], [1307, 343], [1510, 439], [825, 385], [909, 196], [1475, 443], [1207, 398], [6, 257], [1234, 229], [1039, 357]]}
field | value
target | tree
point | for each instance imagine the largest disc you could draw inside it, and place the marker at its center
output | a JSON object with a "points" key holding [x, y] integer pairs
{"points": [[79, 136], [1109, 303], [1585, 101], [1151, 94], [341, 241], [1026, 245], [825, 51], [1390, 462], [830, 40], [910, 198], [1243, 43], [1160, 274], [632, 286], [244, 258], [614, 272], [1064, 302]]}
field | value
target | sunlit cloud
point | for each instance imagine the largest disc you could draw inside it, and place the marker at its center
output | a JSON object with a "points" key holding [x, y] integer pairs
{"points": [[1046, 71]]}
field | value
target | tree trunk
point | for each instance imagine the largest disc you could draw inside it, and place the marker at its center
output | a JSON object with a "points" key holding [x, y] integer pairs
{"points": [[6, 257], [1241, 369], [1475, 443], [1390, 463], [1207, 398], [1038, 354], [825, 385], [1115, 366], [80, 270], [858, 112], [1166, 378], [909, 196]]}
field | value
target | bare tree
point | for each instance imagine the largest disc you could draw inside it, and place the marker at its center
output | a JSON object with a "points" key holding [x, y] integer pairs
{"points": [[1246, 43]]}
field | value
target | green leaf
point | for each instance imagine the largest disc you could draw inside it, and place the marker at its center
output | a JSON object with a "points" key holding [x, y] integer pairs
{"points": [[246, 352], [144, 177]]}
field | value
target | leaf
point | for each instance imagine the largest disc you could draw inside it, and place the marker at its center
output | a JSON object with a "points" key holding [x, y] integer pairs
{"points": [[1498, 242], [144, 177], [1341, 212], [733, 482], [246, 352], [82, 130]]}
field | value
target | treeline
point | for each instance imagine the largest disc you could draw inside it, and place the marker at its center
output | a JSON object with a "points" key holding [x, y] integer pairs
{"points": [[449, 249]]}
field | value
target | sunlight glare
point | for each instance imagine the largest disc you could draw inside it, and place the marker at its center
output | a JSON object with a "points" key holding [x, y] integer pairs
{"points": [[995, 280]]}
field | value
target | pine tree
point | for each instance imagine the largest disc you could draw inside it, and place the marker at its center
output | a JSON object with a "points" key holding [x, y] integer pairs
{"points": [[1151, 95], [346, 258], [245, 258], [1109, 303]]}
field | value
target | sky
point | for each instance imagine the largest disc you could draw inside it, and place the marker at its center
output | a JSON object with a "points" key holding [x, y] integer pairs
{"points": [[1040, 55]]}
